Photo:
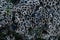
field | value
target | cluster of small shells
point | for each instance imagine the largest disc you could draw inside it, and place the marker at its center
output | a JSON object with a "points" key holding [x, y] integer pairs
{"points": [[41, 16]]}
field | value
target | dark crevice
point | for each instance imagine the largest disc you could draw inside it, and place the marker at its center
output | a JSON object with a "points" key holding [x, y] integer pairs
{"points": [[37, 8]]}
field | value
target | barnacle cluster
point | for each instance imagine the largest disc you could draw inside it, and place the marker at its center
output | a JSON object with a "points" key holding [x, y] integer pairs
{"points": [[29, 19]]}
